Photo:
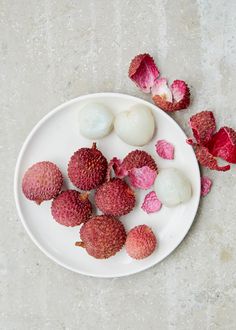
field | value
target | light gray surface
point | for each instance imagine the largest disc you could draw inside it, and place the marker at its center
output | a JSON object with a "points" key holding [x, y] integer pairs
{"points": [[54, 50]]}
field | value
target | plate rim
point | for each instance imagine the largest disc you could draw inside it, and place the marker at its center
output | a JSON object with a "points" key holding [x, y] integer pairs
{"points": [[20, 157]]}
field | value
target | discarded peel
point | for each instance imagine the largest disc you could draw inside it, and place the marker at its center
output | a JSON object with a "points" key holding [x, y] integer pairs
{"points": [[151, 203], [223, 144], [142, 177], [203, 126], [175, 98], [206, 184], [206, 159], [143, 72], [165, 149], [119, 169]]}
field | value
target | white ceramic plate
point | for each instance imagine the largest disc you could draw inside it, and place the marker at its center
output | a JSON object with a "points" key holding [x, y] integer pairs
{"points": [[55, 138]]}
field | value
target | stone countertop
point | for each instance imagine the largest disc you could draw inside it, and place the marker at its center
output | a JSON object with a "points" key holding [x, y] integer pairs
{"points": [[52, 51]]}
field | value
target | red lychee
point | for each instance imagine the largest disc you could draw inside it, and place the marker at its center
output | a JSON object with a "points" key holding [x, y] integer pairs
{"points": [[87, 168], [140, 242], [115, 197], [42, 181], [102, 236], [70, 208]]}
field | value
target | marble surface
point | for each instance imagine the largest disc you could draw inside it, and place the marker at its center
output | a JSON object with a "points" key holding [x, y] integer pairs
{"points": [[54, 50]]}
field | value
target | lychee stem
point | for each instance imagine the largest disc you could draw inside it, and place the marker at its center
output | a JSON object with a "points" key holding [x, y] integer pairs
{"points": [[80, 244], [38, 201], [84, 196], [94, 146]]}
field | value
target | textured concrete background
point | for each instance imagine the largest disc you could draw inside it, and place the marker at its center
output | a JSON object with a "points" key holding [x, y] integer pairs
{"points": [[54, 50]]}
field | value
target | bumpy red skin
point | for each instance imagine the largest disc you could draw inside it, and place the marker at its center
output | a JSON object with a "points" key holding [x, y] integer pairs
{"points": [[137, 159], [42, 181], [87, 168], [141, 242], [203, 126], [102, 236], [175, 105], [115, 198], [143, 72], [223, 144], [206, 159], [71, 208]]}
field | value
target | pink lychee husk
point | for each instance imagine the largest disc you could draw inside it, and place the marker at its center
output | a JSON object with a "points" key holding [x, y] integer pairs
{"points": [[142, 178], [203, 126], [143, 72], [165, 149], [206, 159], [151, 203], [223, 144], [175, 98], [206, 184], [119, 169]]}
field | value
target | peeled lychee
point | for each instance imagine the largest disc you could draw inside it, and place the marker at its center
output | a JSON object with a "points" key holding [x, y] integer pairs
{"points": [[140, 242], [102, 236], [95, 121], [42, 181], [70, 208], [136, 126], [115, 197], [87, 168], [172, 187]]}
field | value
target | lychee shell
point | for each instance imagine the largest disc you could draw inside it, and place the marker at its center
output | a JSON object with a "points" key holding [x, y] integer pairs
{"points": [[42, 181], [140, 242], [102, 236], [115, 198], [70, 208]]}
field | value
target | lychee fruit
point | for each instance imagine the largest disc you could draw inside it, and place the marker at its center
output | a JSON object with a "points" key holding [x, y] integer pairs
{"points": [[87, 168], [42, 181], [102, 236], [140, 242], [115, 197], [137, 159], [70, 208]]}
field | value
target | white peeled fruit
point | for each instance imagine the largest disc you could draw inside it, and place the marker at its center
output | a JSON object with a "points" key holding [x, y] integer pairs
{"points": [[136, 126], [95, 121], [172, 187]]}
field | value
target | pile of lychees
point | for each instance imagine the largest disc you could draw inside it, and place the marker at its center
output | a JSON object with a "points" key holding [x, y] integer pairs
{"points": [[101, 235]]}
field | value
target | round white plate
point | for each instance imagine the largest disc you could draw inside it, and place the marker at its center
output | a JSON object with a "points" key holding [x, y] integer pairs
{"points": [[55, 138]]}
